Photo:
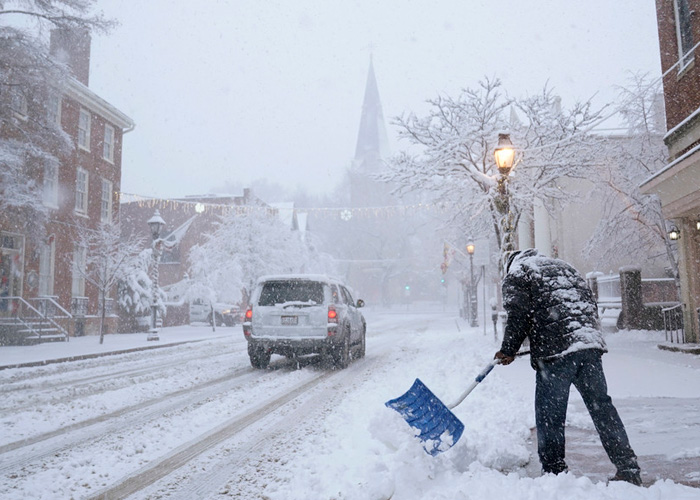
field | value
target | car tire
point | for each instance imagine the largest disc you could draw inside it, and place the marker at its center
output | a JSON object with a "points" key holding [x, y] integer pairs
{"points": [[259, 357], [342, 352], [363, 343]]}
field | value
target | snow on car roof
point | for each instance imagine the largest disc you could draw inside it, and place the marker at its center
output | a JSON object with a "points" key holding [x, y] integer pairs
{"points": [[299, 277]]}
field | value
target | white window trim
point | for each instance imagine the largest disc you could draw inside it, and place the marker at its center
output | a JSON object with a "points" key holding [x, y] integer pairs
{"points": [[79, 264], [108, 146], [685, 59], [86, 145], [50, 194], [47, 267], [16, 282], [81, 197], [55, 102], [106, 211]]}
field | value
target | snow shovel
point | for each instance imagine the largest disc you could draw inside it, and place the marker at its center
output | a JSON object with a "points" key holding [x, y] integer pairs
{"points": [[439, 428]]}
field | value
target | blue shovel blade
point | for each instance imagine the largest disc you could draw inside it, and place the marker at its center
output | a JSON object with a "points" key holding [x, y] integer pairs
{"points": [[439, 428]]}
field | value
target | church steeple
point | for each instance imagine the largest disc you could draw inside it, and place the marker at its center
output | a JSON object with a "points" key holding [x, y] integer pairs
{"points": [[372, 143]]}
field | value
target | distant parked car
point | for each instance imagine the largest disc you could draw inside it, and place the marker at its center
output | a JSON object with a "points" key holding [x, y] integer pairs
{"points": [[224, 314], [294, 315]]}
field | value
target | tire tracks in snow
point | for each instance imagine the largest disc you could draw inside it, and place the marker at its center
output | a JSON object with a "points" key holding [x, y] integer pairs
{"points": [[187, 452], [74, 386], [270, 428], [26, 451], [28, 381]]}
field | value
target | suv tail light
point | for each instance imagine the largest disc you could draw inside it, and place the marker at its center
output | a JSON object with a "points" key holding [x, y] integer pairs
{"points": [[332, 314], [247, 319], [332, 320]]}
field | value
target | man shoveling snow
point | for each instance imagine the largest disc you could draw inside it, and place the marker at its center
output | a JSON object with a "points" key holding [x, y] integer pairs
{"points": [[549, 303]]}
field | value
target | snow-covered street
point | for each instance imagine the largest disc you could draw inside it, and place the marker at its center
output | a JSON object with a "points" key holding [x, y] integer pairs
{"points": [[196, 421]]}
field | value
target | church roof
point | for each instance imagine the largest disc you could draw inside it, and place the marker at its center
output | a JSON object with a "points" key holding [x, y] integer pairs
{"points": [[372, 143]]}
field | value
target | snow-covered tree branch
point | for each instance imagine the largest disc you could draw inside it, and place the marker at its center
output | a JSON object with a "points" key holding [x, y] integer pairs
{"points": [[244, 247], [31, 84], [451, 158], [108, 259], [631, 220]]}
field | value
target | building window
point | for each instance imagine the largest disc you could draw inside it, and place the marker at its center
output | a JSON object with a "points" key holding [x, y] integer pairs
{"points": [[11, 270], [84, 129], [54, 110], [106, 206], [81, 191], [108, 144], [79, 266], [50, 196], [684, 32], [47, 259]]}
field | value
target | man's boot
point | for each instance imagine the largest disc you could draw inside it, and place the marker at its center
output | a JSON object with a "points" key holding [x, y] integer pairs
{"points": [[632, 476]]}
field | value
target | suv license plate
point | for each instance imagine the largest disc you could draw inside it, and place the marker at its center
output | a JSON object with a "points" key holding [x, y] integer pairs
{"points": [[290, 320]]}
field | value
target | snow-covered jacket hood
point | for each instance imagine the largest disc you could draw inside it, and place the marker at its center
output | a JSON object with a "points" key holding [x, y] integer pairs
{"points": [[550, 303]]}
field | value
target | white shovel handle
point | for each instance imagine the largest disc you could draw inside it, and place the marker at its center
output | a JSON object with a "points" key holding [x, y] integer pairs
{"points": [[481, 376]]}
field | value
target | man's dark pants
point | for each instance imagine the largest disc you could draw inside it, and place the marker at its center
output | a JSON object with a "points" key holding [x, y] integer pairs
{"points": [[583, 369]]}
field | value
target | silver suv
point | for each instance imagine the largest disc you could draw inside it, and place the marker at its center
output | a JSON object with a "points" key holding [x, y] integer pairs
{"points": [[294, 315]]}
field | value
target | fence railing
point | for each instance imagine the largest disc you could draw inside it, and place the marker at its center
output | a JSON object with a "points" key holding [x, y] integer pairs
{"points": [[48, 306], [673, 324], [21, 322], [79, 306], [609, 292]]}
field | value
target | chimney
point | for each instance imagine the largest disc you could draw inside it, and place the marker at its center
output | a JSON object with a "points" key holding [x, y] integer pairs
{"points": [[72, 47]]}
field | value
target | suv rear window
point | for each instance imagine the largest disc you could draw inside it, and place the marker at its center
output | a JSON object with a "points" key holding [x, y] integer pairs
{"points": [[280, 292]]}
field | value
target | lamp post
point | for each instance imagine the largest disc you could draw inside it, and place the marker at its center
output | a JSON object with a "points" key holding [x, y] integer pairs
{"points": [[472, 287], [505, 160], [156, 224]]}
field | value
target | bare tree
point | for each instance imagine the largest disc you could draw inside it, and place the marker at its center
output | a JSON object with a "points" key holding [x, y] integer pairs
{"points": [[30, 83], [633, 222], [248, 243], [108, 260], [452, 153]]}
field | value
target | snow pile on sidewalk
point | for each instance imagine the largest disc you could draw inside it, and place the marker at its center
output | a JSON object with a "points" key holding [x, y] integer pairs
{"points": [[376, 456]]}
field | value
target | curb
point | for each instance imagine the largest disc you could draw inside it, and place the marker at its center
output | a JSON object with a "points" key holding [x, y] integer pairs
{"points": [[685, 348], [82, 357]]}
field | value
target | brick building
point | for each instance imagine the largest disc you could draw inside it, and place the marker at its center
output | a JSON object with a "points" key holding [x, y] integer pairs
{"points": [[188, 222], [677, 184], [79, 193]]}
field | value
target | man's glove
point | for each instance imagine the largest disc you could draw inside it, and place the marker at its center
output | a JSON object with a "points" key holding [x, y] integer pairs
{"points": [[504, 359]]}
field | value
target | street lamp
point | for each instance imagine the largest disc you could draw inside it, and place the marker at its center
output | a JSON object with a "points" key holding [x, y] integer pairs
{"points": [[674, 234], [505, 161], [472, 287], [156, 224]]}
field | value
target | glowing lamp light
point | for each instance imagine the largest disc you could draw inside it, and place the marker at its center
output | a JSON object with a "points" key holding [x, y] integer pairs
{"points": [[470, 248], [505, 154], [674, 234]]}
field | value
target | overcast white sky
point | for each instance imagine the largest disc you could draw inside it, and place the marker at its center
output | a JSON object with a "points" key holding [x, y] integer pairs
{"points": [[231, 91]]}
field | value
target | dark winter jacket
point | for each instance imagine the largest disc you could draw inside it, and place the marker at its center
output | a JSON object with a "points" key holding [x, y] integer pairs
{"points": [[550, 303]]}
